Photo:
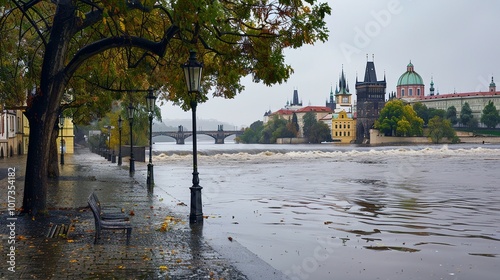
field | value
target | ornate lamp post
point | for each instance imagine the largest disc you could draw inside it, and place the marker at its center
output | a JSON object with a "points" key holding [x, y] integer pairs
{"points": [[120, 124], [192, 72], [131, 111], [108, 154], [61, 125], [150, 102]]}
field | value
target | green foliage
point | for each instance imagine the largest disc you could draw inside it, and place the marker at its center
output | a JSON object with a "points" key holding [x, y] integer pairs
{"points": [[451, 114], [433, 112], [466, 117], [232, 39], [490, 116], [314, 131], [422, 111], [403, 127], [440, 128], [427, 113], [276, 128], [251, 134], [395, 114], [295, 122]]}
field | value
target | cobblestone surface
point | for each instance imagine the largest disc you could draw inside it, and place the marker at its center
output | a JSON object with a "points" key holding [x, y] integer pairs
{"points": [[162, 245]]}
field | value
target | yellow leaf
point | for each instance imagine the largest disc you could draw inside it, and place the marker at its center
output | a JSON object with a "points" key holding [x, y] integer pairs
{"points": [[73, 261], [163, 267], [122, 25]]}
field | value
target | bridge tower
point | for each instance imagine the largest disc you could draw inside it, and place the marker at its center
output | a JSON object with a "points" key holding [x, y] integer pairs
{"points": [[180, 135]]}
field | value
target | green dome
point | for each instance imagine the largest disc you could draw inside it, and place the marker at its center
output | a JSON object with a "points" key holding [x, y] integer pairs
{"points": [[410, 77]]}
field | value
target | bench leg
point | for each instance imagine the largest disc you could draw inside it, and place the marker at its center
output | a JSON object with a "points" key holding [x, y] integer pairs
{"points": [[97, 235], [129, 232]]}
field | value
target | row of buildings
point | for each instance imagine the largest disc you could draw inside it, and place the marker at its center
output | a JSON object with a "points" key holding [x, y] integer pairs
{"points": [[14, 133], [351, 120]]}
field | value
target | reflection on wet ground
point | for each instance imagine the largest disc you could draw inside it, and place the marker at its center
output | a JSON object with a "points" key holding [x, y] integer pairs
{"points": [[402, 215]]}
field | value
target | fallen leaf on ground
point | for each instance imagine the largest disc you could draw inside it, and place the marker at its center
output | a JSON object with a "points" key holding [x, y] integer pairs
{"points": [[163, 267]]}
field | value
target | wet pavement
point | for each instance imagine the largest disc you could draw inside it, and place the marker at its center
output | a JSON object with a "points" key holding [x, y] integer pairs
{"points": [[162, 245]]}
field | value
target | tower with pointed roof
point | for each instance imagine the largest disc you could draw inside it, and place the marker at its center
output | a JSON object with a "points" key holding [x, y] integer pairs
{"points": [[331, 103], [343, 98], [493, 87], [431, 89], [370, 95]]}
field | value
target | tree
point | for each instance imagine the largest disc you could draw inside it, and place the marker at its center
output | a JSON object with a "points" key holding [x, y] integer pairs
{"points": [[396, 113], [295, 122], [276, 128], [490, 116], [432, 112], [63, 48], [314, 131], [466, 117], [422, 111], [451, 114], [252, 134], [440, 128], [309, 119]]}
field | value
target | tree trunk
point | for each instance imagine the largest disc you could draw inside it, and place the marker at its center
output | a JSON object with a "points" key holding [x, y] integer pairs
{"points": [[36, 182], [43, 109], [53, 170]]}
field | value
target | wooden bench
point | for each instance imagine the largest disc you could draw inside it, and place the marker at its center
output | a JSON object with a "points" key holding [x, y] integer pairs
{"points": [[107, 216], [118, 222]]}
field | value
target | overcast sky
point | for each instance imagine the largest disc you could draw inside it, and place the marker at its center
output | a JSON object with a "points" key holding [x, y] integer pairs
{"points": [[455, 42]]}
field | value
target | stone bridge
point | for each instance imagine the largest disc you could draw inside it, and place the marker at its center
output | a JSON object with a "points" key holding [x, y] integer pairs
{"points": [[180, 135]]}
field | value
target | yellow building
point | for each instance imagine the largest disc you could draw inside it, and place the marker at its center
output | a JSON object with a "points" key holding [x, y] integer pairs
{"points": [[68, 137], [343, 127], [14, 134]]}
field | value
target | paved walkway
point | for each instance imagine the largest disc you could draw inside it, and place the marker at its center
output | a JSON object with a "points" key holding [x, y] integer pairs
{"points": [[162, 246]]}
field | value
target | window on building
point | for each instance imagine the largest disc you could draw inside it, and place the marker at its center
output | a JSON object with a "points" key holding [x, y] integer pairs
{"points": [[418, 91], [410, 92], [348, 133], [402, 92]]}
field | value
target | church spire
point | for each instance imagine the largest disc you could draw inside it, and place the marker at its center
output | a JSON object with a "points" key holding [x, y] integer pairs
{"points": [[431, 89], [493, 87]]}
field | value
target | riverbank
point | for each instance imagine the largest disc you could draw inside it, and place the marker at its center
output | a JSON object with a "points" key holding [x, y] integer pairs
{"points": [[162, 245]]}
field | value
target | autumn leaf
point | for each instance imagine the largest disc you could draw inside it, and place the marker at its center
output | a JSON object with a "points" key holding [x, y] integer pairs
{"points": [[163, 267]]}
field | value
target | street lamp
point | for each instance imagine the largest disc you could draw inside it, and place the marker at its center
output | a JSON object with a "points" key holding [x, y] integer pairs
{"points": [[131, 111], [120, 124], [109, 155], [192, 72], [150, 102], [61, 125]]}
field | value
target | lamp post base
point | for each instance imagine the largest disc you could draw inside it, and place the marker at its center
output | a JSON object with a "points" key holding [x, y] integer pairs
{"points": [[132, 166], [196, 215], [150, 181], [120, 160]]}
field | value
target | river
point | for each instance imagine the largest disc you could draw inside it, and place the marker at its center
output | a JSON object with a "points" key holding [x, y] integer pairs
{"points": [[348, 212]]}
